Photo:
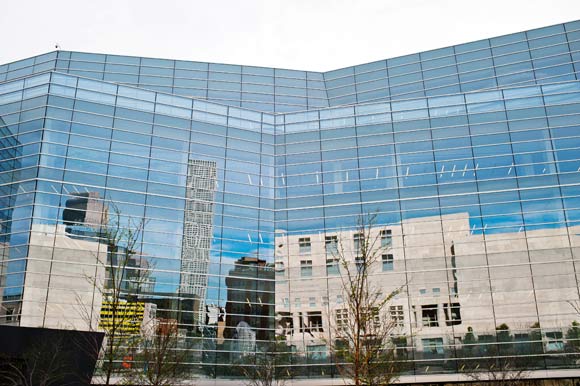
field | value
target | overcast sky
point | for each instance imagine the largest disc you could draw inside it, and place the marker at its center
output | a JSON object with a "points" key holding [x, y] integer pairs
{"points": [[316, 35]]}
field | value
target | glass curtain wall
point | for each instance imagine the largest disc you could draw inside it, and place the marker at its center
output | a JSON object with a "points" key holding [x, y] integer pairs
{"points": [[468, 156]]}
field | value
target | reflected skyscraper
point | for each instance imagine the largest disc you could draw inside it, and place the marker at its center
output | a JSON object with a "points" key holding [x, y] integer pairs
{"points": [[198, 230], [249, 180]]}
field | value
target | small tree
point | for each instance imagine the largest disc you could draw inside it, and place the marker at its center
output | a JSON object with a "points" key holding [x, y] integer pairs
{"points": [[160, 360], [117, 281], [499, 365], [469, 339], [267, 368], [362, 344], [48, 363], [119, 290], [504, 340]]}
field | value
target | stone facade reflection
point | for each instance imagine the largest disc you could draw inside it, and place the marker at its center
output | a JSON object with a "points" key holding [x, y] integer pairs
{"points": [[454, 281]]}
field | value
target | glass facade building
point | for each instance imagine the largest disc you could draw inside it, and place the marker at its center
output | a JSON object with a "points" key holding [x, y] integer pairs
{"points": [[248, 177]]}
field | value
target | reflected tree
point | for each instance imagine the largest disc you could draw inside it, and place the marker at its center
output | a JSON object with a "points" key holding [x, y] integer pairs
{"points": [[363, 343], [495, 363], [268, 367]]}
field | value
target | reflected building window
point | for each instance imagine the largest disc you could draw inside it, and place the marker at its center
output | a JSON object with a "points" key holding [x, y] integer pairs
{"points": [[452, 314], [306, 268], [332, 267], [341, 318], [374, 315], [358, 240], [359, 262], [286, 323], [388, 262], [386, 238], [429, 315], [397, 315], [315, 321], [331, 245], [304, 245]]}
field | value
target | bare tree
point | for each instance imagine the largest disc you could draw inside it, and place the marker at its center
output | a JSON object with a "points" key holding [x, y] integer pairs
{"points": [[160, 361], [48, 363], [362, 344], [267, 368], [117, 281], [499, 364]]}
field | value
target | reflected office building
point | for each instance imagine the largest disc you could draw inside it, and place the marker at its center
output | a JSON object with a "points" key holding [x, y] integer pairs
{"points": [[250, 305], [85, 214], [248, 180]]}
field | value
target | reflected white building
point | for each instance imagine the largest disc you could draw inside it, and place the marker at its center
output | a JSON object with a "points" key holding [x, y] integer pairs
{"points": [[453, 281], [66, 268], [198, 230]]}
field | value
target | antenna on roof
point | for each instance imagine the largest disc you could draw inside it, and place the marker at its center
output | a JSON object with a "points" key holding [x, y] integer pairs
{"points": [[57, 46]]}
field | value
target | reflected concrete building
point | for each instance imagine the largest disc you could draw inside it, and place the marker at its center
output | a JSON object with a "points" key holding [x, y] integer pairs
{"points": [[468, 155], [449, 287], [66, 265], [85, 214]]}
